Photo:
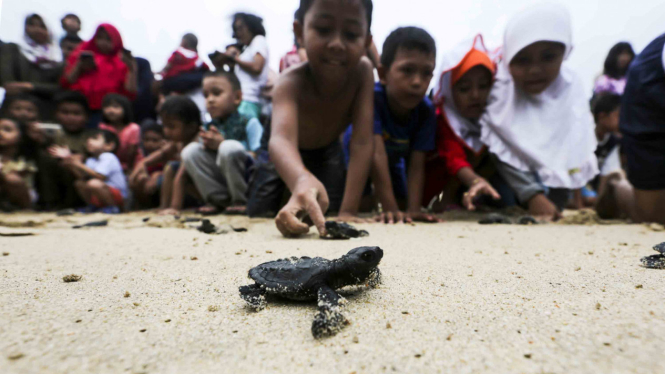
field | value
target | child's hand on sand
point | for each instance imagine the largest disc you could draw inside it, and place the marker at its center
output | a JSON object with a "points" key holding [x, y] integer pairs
{"points": [[480, 187], [420, 217], [391, 217], [309, 197], [350, 217], [59, 152]]}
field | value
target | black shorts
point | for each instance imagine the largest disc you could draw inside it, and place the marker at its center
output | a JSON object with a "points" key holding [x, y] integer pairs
{"points": [[645, 161], [266, 188]]}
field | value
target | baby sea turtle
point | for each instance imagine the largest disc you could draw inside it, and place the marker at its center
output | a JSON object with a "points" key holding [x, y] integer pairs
{"points": [[500, 219], [341, 230], [307, 278], [655, 261]]}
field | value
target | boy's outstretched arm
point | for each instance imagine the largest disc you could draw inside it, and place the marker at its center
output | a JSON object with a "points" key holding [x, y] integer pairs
{"points": [[308, 195], [362, 143], [383, 186]]}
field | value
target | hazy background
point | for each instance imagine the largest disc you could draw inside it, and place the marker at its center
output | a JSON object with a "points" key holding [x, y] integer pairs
{"points": [[152, 28]]}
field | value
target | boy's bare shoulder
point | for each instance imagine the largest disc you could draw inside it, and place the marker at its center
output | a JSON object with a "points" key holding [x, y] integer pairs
{"points": [[293, 80]]}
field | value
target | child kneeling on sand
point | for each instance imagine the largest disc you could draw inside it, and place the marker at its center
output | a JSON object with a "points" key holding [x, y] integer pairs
{"points": [[313, 104], [100, 181], [219, 164], [538, 124], [404, 123]]}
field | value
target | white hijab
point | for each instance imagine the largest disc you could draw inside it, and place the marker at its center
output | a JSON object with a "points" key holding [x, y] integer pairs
{"points": [[46, 56], [466, 130], [552, 133]]}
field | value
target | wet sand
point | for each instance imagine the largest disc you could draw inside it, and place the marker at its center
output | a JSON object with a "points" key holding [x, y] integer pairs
{"points": [[456, 297]]}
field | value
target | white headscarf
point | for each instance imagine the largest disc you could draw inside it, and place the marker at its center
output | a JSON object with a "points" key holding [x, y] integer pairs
{"points": [[466, 130], [552, 133], [45, 56]]}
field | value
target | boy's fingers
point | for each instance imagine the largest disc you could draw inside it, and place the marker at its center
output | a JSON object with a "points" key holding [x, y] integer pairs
{"points": [[316, 214], [289, 225], [380, 218], [495, 195], [389, 217]]}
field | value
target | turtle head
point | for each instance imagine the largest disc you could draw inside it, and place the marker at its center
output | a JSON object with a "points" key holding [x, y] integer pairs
{"points": [[361, 263]]}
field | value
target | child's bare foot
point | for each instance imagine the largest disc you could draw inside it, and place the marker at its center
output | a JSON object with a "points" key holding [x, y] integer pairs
{"points": [[169, 212], [208, 210], [543, 209], [237, 210]]}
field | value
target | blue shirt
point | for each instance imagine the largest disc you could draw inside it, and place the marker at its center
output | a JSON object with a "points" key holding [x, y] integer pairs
{"points": [[417, 134], [108, 165]]}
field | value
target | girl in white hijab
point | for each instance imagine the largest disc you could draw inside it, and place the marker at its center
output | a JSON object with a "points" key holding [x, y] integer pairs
{"points": [[538, 124]]}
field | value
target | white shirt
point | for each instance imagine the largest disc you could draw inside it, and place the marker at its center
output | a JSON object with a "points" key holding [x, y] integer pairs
{"points": [[251, 84]]}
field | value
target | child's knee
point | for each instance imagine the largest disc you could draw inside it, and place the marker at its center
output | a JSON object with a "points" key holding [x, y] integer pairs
{"points": [[95, 184], [231, 149], [13, 180]]}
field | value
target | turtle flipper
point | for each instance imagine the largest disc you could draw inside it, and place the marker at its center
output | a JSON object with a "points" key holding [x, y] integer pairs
{"points": [[329, 320], [254, 295]]}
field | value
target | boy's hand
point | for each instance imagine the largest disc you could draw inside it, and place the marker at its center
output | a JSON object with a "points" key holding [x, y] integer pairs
{"points": [[15, 88], [308, 198], [481, 187], [349, 217], [391, 217], [59, 152], [211, 138], [139, 169], [421, 217]]}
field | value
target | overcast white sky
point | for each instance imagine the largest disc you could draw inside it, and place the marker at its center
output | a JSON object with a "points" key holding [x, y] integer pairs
{"points": [[152, 28]]}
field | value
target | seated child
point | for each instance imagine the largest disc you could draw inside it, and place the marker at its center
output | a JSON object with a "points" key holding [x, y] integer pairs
{"points": [[72, 115], [25, 108], [537, 123], [404, 123], [17, 168], [146, 185], [181, 120], [218, 165], [185, 59], [461, 162], [117, 118], [642, 196], [100, 181], [313, 104], [57, 189], [606, 111]]}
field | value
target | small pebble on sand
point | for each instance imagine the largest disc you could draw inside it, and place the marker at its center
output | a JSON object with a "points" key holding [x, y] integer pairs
{"points": [[15, 356], [5, 253], [127, 294], [213, 308], [71, 278]]}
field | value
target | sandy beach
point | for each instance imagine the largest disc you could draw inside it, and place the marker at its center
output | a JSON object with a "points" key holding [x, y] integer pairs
{"points": [[161, 297]]}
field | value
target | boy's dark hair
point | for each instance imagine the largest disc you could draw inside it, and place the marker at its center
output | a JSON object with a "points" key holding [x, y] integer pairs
{"points": [[4, 111], [191, 41], [234, 45], [70, 15], [109, 137], [71, 38], [121, 100], [72, 97], [183, 109], [306, 4], [150, 125], [228, 75], [409, 38], [606, 103], [611, 68], [254, 23]]}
